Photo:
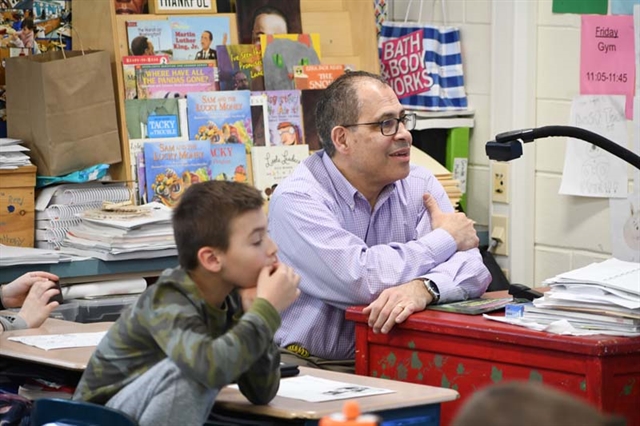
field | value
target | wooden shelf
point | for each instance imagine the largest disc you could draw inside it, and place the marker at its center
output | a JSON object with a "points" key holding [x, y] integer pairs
{"points": [[347, 37]]}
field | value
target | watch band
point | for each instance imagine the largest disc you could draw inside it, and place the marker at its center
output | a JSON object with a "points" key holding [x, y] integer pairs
{"points": [[432, 288]]}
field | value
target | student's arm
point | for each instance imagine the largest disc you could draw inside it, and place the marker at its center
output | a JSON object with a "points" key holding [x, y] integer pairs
{"points": [[213, 359], [260, 383]]}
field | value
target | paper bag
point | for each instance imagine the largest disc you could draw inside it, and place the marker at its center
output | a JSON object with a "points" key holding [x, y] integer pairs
{"points": [[62, 105], [423, 63]]}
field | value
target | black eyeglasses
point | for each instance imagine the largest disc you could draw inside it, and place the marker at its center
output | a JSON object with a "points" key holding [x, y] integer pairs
{"points": [[390, 126]]}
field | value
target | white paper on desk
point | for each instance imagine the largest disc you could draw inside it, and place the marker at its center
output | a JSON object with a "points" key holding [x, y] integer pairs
{"points": [[61, 341], [590, 171], [316, 389], [562, 327]]}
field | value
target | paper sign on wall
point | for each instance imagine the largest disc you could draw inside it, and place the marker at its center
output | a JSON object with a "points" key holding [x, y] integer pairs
{"points": [[590, 171], [607, 57], [623, 7], [580, 6]]}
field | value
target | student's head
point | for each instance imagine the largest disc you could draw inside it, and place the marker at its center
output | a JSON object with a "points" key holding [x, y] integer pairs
{"points": [[529, 404], [205, 40], [288, 133], [268, 20], [28, 24], [141, 46], [127, 7], [240, 81], [220, 226]]}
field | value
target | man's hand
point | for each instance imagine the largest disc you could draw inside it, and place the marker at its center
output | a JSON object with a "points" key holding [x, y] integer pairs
{"points": [[394, 305], [457, 224], [15, 293], [278, 285], [36, 307]]}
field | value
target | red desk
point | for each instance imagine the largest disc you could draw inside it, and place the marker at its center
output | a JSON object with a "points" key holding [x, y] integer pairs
{"points": [[465, 353]]}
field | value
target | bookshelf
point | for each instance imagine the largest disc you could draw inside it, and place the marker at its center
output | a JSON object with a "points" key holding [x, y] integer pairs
{"points": [[346, 38]]}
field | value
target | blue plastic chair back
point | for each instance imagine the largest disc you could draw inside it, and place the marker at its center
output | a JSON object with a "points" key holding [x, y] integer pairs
{"points": [[76, 413]]}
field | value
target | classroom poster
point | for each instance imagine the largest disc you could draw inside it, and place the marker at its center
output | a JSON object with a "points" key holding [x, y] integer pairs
{"points": [[590, 171], [623, 7], [607, 57], [580, 6], [625, 227]]}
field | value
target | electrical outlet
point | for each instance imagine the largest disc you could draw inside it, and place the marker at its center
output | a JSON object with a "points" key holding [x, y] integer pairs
{"points": [[500, 231], [500, 187]]}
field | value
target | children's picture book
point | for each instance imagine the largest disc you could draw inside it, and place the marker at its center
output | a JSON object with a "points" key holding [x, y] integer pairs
{"points": [[195, 38], [149, 37], [174, 80], [473, 306], [281, 52], [260, 119], [171, 167], [131, 7], [256, 17], [317, 76], [129, 71], [309, 99], [229, 162], [271, 164], [156, 118], [221, 117], [240, 67], [285, 117]]}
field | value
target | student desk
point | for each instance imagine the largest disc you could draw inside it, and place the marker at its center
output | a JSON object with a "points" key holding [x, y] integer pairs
{"points": [[75, 359], [467, 352], [410, 402]]}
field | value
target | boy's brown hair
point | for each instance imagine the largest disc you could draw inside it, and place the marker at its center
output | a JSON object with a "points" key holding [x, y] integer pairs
{"points": [[204, 214], [529, 404]]}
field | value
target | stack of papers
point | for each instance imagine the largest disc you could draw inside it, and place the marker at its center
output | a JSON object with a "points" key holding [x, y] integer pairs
{"points": [[10, 255], [12, 154], [111, 238], [602, 297]]}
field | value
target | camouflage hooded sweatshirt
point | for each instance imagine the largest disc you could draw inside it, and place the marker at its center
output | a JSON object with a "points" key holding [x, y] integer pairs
{"points": [[213, 346]]}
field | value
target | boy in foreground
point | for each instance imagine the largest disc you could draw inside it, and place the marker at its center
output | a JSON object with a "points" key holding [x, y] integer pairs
{"points": [[203, 325]]}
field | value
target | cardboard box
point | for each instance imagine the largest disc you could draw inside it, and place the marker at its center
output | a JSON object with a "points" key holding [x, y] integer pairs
{"points": [[17, 216]]}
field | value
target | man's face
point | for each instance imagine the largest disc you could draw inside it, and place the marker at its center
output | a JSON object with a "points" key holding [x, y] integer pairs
{"points": [[129, 6], [240, 81], [268, 24], [250, 249], [149, 50], [205, 41], [376, 160], [287, 135]]}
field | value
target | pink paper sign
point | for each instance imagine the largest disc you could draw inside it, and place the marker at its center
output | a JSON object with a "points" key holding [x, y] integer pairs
{"points": [[607, 56]]}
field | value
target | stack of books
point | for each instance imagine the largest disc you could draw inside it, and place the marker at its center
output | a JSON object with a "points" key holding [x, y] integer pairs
{"points": [[122, 233], [602, 296], [444, 176], [57, 207]]}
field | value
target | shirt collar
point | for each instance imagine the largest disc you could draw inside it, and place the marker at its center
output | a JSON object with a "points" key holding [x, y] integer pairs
{"points": [[344, 188]]}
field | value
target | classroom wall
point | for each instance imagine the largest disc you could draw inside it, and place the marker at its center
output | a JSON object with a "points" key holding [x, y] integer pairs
{"points": [[473, 17], [570, 232]]}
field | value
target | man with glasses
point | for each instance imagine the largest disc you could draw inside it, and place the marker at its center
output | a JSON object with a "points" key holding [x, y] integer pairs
{"points": [[362, 226]]}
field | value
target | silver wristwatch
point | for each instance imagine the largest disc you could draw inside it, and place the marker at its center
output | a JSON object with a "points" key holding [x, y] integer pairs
{"points": [[432, 288]]}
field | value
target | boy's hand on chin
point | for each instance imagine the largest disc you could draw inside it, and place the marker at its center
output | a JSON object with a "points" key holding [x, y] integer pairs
{"points": [[278, 284]]}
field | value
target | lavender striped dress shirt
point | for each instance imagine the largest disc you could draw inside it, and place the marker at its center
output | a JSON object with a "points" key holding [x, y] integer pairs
{"points": [[347, 254]]}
